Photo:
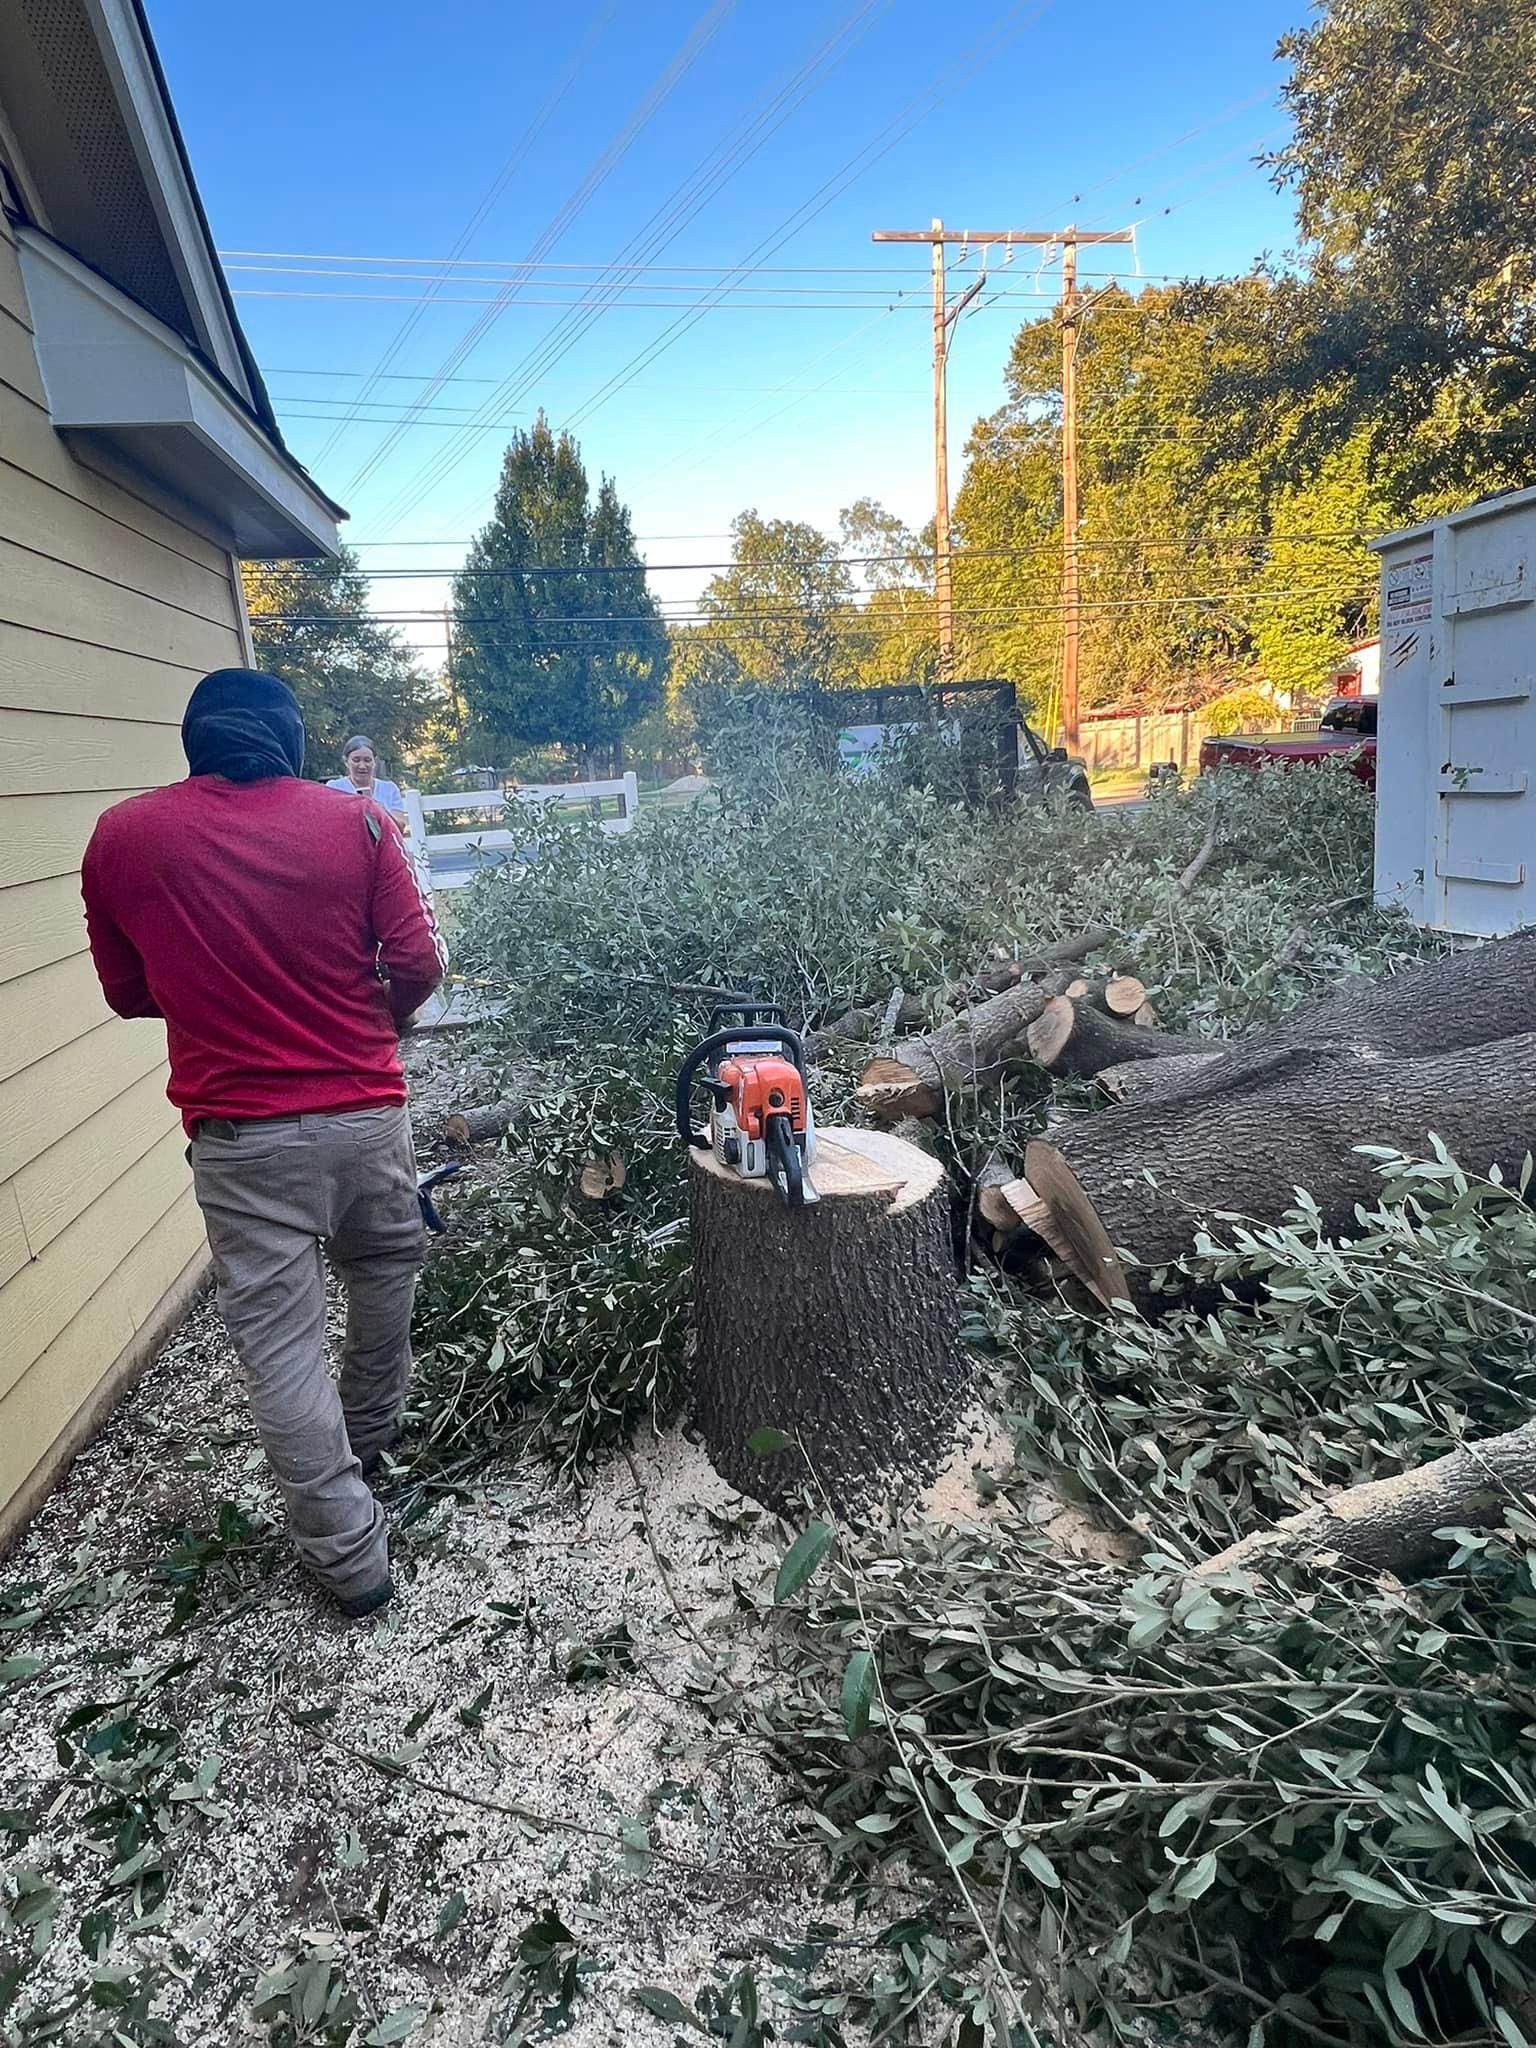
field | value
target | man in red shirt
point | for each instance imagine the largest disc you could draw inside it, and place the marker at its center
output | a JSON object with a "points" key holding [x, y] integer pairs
{"points": [[280, 930]]}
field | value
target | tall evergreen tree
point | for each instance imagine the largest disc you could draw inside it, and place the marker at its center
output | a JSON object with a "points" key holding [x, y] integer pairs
{"points": [[557, 639]]}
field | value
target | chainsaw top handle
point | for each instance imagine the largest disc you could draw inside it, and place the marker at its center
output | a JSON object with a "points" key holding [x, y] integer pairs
{"points": [[719, 1041]]}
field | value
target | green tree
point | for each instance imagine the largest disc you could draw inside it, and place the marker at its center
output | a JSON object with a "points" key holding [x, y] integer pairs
{"points": [[557, 639], [782, 610], [1413, 162], [310, 624]]}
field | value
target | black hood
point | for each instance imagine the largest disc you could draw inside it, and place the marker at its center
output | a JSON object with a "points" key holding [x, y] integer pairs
{"points": [[243, 725]]}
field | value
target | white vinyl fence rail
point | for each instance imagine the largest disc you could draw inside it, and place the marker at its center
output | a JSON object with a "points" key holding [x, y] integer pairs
{"points": [[447, 860]]}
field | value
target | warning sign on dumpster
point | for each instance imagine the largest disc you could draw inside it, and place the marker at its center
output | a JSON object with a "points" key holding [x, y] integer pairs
{"points": [[1407, 588]]}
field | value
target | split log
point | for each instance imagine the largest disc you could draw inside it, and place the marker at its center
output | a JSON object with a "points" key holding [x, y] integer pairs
{"points": [[992, 1177], [969, 1051], [1388, 1525], [1077, 1038], [1143, 1177], [836, 1324]]}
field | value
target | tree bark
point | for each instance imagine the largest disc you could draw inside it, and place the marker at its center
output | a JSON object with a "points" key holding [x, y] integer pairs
{"points": [[1139, 1077], [1468, 998], [965, 1053], [474, 1126], [1078, 1038], [1143, 1177], [837, 1324], [1389, 1524]]}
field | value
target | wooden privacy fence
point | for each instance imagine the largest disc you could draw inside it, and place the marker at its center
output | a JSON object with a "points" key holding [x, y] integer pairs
{"points": [[447, 860], [1142, 739]]}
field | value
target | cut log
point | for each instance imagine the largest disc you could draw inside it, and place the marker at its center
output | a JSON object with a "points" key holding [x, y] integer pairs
{"points": [[968, 1052], [1077, 1038], [474, 1126], [835, 1324], [1124, 994], [1141, 1178], [1146, 1017], [1389, 1525]]}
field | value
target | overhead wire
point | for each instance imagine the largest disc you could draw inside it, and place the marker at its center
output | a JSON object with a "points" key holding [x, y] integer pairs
{"points": [[1005, 28], [700, 35], [509, 169], [736, 148]]}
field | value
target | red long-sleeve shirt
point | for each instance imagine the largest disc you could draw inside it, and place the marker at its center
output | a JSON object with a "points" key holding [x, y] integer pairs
{"points": [[254, 918]]}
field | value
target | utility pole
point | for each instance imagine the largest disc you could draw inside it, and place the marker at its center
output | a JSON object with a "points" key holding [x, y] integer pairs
{"points": [[944, 318]]}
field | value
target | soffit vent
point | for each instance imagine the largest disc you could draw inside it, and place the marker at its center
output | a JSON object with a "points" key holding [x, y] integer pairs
{"points": [[112, 222]]}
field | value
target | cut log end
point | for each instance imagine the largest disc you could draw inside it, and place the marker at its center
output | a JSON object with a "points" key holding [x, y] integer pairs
{"points": [[1124, 995], [1051, 1030], [1077, 1232]]}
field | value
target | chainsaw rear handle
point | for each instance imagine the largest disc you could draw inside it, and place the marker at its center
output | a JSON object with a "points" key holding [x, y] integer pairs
{"points": [[718, 1041]]}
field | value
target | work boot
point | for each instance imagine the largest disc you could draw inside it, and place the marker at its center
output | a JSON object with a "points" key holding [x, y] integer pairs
{"points": [[361, 1604]]}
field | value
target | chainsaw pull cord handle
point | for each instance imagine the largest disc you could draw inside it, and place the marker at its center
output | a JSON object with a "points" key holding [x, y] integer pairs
{"points": [[717, 1041]]}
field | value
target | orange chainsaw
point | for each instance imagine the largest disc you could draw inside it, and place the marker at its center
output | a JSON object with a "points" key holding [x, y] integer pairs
{"points": [[760, 1121]]}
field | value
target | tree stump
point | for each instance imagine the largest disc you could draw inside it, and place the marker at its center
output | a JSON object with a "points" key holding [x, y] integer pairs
{"points": [[836, 1324]]}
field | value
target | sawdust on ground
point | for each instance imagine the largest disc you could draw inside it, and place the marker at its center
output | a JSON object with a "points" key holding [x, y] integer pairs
{"points": [[549, 1652]]}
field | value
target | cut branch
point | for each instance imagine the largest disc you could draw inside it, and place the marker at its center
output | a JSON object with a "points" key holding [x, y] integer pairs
{"points": [[1076, 1038], [968, 1052], [1390, 1524]]}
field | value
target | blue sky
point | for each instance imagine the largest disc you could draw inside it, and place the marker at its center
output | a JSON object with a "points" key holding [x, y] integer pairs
{"points": [[341, 131]]}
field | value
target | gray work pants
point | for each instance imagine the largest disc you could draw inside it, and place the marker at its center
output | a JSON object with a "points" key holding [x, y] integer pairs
{"points": [[272, 1195]]}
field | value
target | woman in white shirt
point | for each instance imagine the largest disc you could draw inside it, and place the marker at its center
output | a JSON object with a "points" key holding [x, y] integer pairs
{"points": [[362, 778]]}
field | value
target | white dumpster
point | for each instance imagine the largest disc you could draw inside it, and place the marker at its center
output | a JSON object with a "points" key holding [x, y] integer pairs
{"points": [[1456, 739]]}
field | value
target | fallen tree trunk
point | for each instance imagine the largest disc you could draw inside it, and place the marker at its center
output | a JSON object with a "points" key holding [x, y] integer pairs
{"points": [[1468, 998], [1076, 1037], [836, 1325], [967, 1052], [1142, 1178], [1389, 1525]]}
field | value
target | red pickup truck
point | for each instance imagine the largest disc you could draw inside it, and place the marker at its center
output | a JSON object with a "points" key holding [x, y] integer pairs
{"points": [[1347, 732]]}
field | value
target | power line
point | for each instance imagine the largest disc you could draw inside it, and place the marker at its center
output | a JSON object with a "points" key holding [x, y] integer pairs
{"points": [[1003, 30], [851, 619], [742, 140], [769, 246], [703, 32], [498, 185], [793, 564]]}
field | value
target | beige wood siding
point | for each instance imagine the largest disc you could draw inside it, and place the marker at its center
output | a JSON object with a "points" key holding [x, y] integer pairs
{"points": [[109, 612]]}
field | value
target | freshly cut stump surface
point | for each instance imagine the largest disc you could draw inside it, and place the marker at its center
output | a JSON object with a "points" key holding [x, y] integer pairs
{"points": [[837, 1323]]}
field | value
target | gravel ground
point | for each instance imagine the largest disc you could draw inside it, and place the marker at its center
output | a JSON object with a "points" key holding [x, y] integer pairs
{"points": [[226, 1814]]}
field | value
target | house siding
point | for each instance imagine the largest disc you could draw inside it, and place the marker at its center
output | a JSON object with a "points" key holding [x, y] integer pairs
{"points": [[109, 613]]}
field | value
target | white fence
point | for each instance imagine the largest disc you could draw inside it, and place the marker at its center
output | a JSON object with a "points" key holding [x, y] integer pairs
{"points": [[448, 860]]}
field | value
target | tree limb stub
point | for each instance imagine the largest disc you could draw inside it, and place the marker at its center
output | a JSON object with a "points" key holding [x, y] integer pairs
{"points": [[1389, 1525]]}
